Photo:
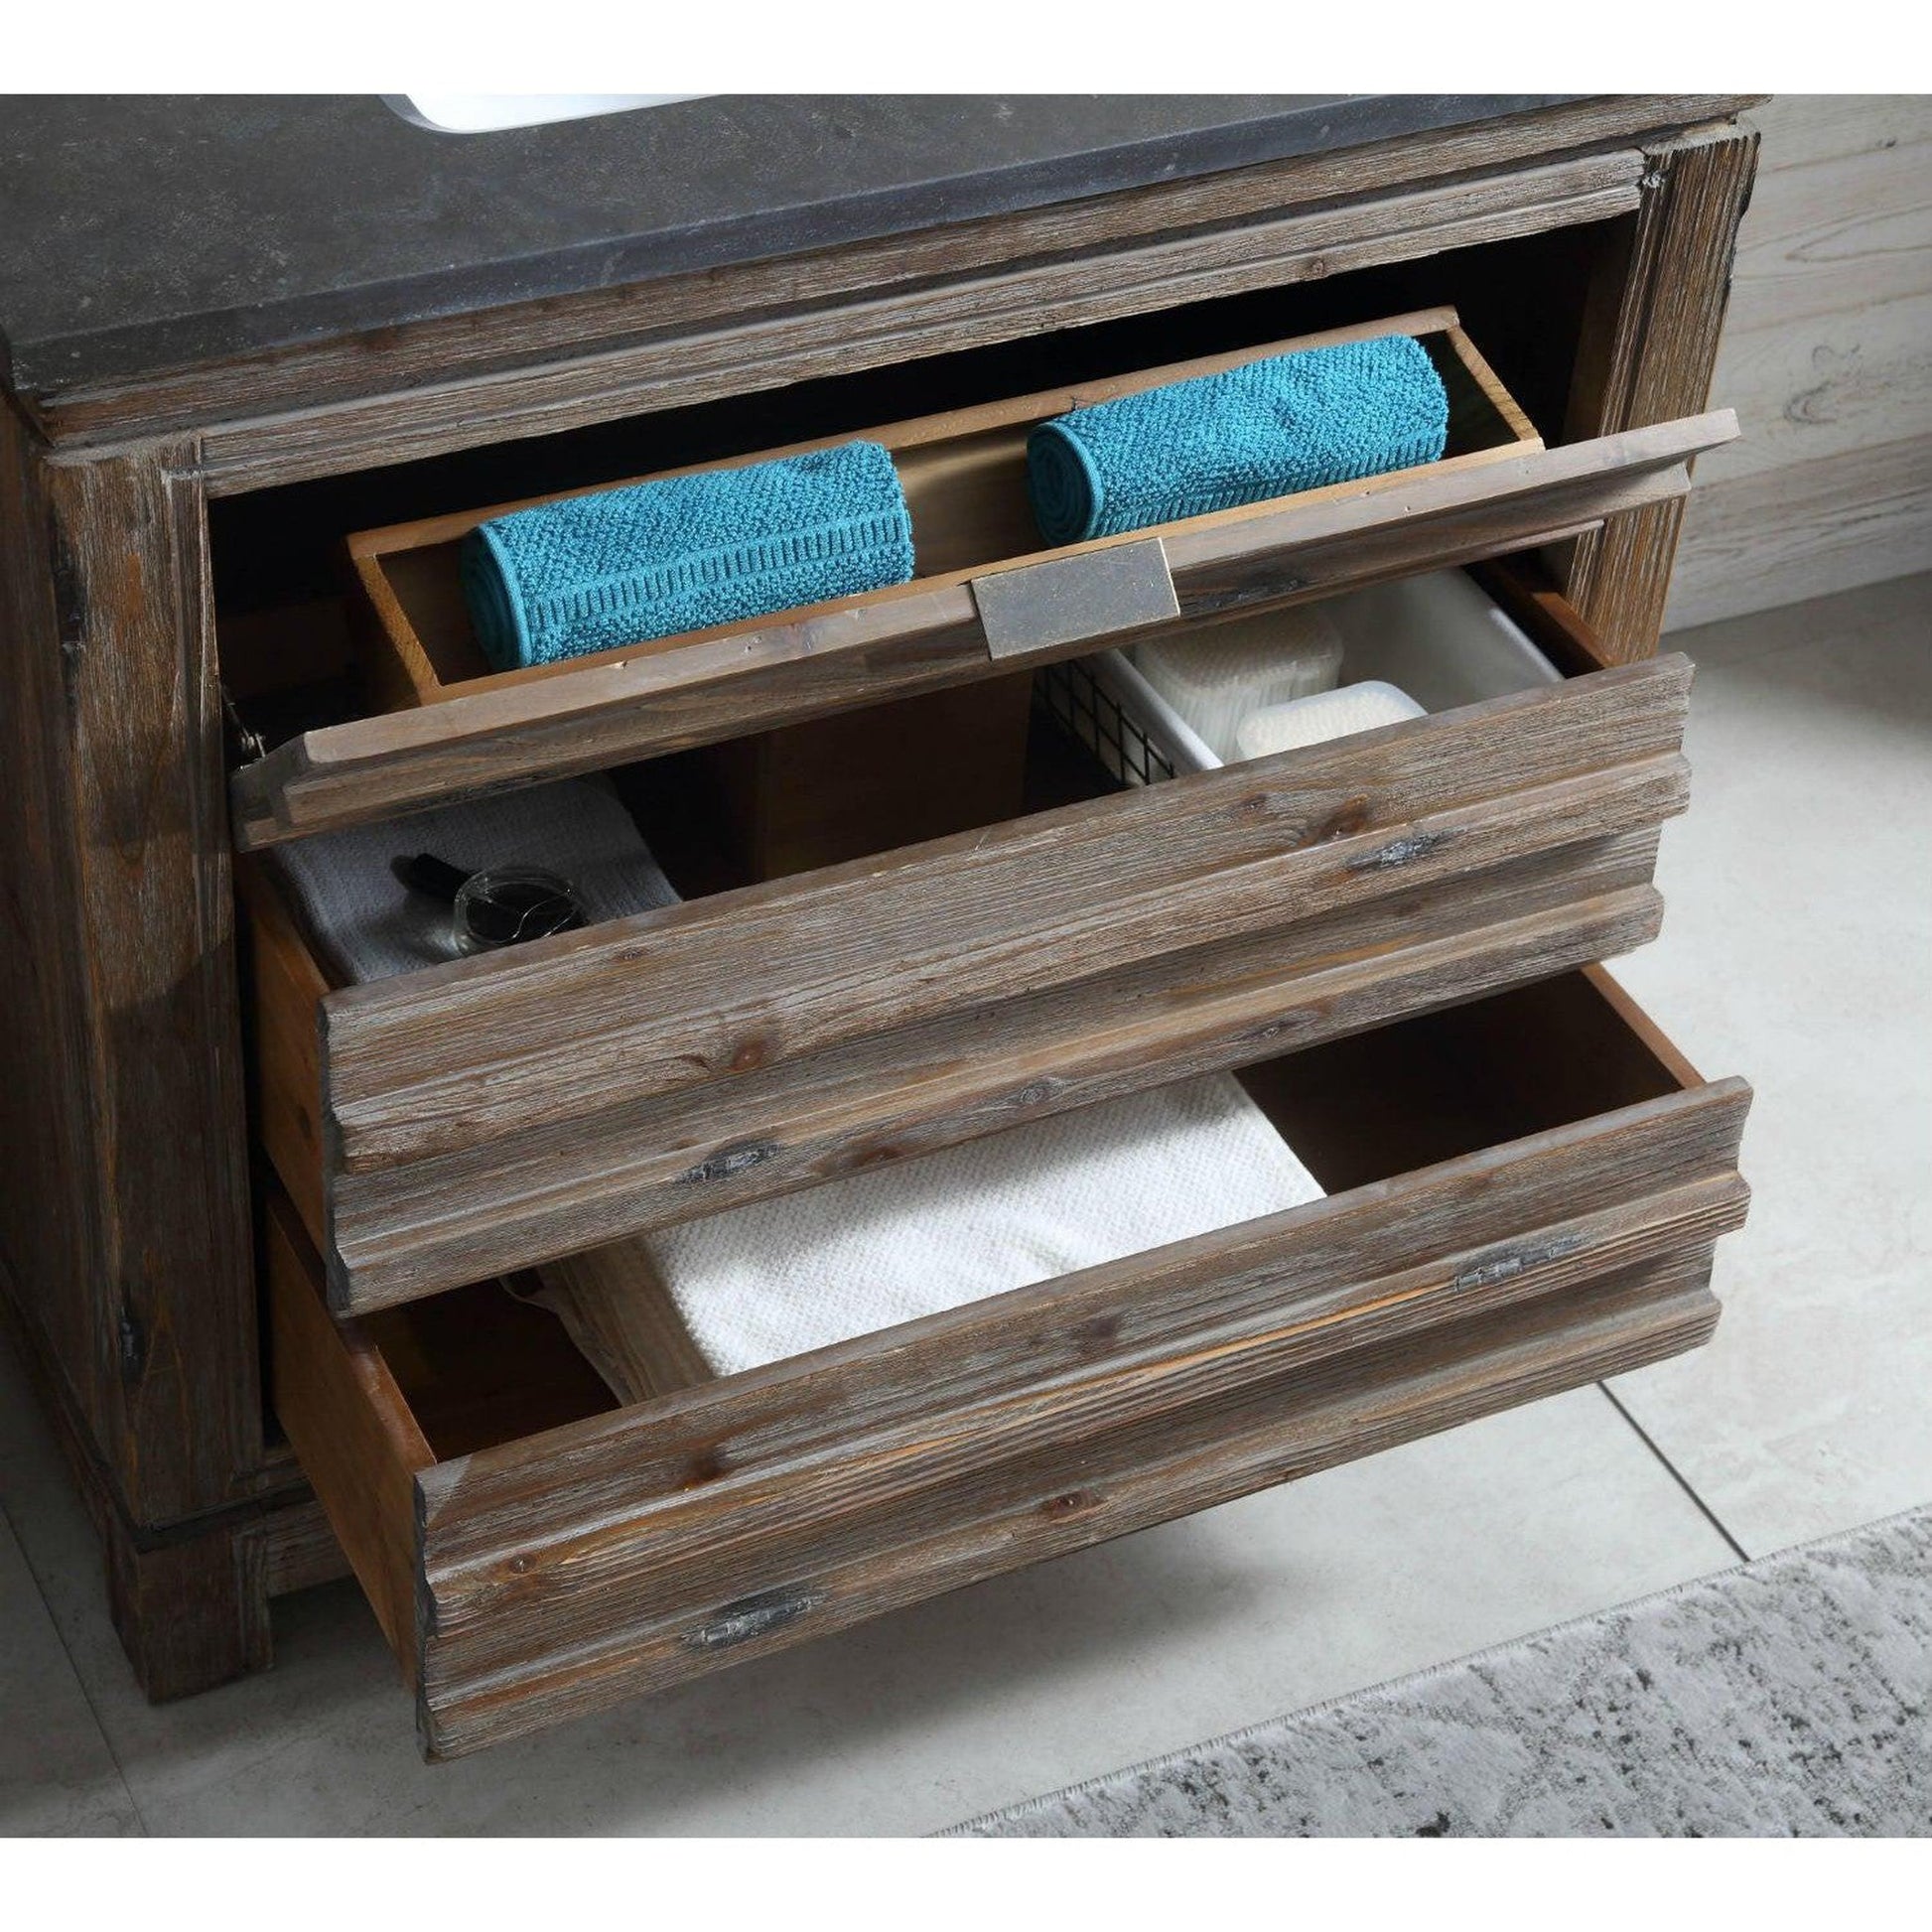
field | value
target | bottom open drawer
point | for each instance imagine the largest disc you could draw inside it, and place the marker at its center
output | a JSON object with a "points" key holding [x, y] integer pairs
{"points": [[1523, 1194]]}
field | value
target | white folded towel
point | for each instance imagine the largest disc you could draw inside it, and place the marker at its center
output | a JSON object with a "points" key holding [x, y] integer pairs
{"points": [[374, 925], [1330, 714], [1216, 675], [778, 1278]]}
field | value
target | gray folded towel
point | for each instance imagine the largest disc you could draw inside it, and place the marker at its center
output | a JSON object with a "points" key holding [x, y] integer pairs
{"points": [[373, 925]]}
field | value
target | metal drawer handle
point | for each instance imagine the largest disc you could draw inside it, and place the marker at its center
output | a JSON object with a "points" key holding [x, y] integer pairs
{"points": [[1505, 1264], [1076, 600], [752, 1616]]}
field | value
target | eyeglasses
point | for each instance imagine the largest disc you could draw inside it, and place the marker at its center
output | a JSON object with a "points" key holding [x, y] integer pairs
{"points": [[502, 905]]}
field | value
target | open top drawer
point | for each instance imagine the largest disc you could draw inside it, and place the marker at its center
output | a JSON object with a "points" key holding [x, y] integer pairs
{"points": [[984, 599], [501, 1111], [1523, 1196]]}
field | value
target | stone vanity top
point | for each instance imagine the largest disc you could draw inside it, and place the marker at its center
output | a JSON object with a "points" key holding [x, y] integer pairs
{"points": [[143, 233]]}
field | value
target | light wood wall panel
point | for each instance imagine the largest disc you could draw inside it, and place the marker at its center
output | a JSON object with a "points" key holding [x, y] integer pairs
{"points": [[1828, 360]]}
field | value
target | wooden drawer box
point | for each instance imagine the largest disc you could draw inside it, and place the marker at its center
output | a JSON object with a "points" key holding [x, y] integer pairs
{"points": [[985, 600], [1523, 1194], [497, 1112]]}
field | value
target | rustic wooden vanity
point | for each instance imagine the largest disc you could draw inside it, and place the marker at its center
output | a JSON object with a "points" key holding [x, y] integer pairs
{"points": [[256, 1222]]}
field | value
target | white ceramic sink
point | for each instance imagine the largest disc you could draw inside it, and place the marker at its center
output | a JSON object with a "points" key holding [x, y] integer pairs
{"points": [[486, 113]]}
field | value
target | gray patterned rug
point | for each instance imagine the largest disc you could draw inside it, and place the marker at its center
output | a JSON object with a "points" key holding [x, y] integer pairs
{"points": [[1788, 1697]]}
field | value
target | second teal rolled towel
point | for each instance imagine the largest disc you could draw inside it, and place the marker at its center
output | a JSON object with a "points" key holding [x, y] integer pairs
{"points": [[654, 558], [1271, 428]]}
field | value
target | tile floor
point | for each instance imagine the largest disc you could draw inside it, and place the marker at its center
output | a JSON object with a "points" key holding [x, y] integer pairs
{"points": [[1798, 952]]}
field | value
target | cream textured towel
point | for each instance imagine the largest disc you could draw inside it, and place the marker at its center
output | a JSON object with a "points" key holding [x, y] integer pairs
{"points": [[1330, 714], [778, 1278], [374, 925]]}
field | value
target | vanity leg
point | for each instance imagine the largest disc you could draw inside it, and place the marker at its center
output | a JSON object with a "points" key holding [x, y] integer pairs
{"points": [[190, 1614]]}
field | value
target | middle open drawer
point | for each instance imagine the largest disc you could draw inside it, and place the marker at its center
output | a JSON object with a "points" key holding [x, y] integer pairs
{"points": [[499, 1112]]}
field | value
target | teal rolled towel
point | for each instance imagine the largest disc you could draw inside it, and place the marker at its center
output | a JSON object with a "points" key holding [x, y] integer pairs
{"points": [[1287, 423], [655, 559]]}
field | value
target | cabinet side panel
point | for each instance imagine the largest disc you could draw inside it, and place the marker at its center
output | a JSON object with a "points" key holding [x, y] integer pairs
{"points": [[1649, 350]]}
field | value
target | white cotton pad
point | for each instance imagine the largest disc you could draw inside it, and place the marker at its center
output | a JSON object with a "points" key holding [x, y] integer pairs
{"points": [[1328, 714], [1216, 676]]}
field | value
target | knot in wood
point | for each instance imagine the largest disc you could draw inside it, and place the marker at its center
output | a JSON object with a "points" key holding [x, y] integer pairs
{"points": [[1069, 1504]]}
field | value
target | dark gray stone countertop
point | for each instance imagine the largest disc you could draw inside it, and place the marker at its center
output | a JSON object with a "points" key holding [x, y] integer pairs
{"points": [[139, 234]]}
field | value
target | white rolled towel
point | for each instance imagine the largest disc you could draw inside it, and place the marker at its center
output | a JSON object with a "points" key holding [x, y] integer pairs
{"points": [[1216, 676], [1330, 714]]}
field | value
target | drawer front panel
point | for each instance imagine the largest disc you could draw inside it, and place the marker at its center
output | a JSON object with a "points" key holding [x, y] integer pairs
{"points": [[502, 1111], [933, 1086], [933, 635], [628, 1551]]}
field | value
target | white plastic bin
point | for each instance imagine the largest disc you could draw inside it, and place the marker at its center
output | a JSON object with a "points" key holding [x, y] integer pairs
{"points": [[1438, 638]]}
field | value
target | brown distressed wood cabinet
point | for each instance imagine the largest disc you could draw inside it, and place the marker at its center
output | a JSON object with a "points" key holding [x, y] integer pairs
{"points": [[255, 1221]]}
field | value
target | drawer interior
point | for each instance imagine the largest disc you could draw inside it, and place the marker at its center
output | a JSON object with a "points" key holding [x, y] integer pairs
{"points": [[774, 804], [1523, 1196], [483, 1365], [964, 475], [363, 698], [293, 659], [1526, 301], [543, 1100], [871, 782]]}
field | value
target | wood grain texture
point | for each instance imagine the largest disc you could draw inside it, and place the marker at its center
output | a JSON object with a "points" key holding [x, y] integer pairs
{"points": [[48, 1243], [1800, 129], [1822, 386], [123, 1100], [622, 1315], [1648, 354], [497, 1113], [432, 352], [121, 1122], [1439, 1224], [351, 1428], [188, 1599], [1525, 590], [930, 318], [1827, 356], [191, 1611], [1069, 1496], [963, 475], [165, 1093], [286, 986], [296, 1549], [1792, 534], [930, 636], [1842, 232], [912, 1093], [626, 1553], [1110, 881]]}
